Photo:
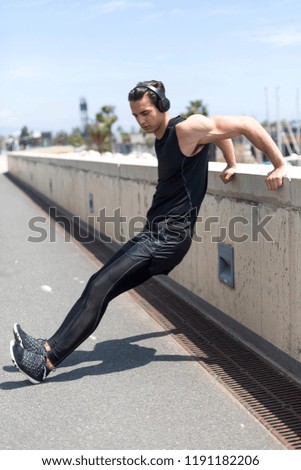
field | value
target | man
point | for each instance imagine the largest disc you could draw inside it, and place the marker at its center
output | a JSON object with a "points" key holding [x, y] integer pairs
{"points": [[182, 150]]}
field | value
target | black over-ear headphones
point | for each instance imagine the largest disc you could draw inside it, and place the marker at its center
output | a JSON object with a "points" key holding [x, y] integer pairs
{"points": [[163, 103]]}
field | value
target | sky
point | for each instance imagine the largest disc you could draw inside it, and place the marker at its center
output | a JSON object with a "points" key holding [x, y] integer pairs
{"points": [[235, 55]]}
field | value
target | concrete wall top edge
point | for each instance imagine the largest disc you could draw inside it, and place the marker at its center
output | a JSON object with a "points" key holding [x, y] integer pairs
{"points": [[294, 172], [104, 167], [242, 168], [248, 184]]}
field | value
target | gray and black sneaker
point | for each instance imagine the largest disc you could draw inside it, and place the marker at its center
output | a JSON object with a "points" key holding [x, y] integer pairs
{"points": [[32, 365], [28, 342]]}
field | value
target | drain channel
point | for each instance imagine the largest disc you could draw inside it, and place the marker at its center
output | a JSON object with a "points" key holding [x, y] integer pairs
{"points": [[268, 394]]}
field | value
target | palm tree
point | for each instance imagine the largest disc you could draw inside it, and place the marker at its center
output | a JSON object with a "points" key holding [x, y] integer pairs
{"points": [[195, 107], [101, 131]]}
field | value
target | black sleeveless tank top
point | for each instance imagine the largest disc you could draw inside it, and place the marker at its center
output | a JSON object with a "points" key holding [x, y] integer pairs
{"points": [[182, 184]]}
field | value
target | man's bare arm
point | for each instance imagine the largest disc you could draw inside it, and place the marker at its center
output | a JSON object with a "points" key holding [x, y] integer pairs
{"points": [[226, 146], [199, 129]]}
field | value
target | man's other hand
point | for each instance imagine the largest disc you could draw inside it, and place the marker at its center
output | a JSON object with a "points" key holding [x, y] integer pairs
{"points": [[274, 179], [228, 174]]}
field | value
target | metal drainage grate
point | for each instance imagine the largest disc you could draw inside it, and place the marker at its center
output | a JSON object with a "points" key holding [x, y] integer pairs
{"points": [[268, 394]]}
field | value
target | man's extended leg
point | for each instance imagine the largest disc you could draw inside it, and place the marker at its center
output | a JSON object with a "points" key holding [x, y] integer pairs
{"points": [[122, 274], [38, 346]]}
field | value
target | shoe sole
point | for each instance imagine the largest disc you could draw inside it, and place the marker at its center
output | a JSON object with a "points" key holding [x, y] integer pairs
{"points": [[33, 381], [17, 336]]}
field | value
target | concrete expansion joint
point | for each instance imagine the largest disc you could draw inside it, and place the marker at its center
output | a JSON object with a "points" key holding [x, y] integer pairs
{"points": [[243, 198], [140, 181]]}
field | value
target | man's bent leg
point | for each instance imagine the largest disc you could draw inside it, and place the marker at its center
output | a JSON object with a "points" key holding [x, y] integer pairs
{"points": [[122, 274]]}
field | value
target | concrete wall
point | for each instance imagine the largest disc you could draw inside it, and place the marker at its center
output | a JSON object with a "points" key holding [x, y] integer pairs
{"points": [[263, 228]]}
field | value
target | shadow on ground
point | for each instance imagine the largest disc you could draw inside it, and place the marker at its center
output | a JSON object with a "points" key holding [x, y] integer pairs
{"points": [[108, 357]]}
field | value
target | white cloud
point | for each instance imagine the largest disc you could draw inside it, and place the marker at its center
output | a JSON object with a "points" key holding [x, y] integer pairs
{"points": [[280, 38], [7, 117], [29, 4], [286, 36], [96, 9], [161, 57], [177, 11], [27, 72], [119, 5]]}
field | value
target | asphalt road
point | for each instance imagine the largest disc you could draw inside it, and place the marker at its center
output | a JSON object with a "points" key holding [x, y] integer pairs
{"points": [[129, 386]]}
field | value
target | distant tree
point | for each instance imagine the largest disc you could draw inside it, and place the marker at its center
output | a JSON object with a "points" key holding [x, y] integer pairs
{"points": [[101, 131], [125, 141], [107, 118], [95, 136], [195, 107], [24, 137], [61, 138], [149, 141], [125, 138], [76, 139], [24, 132], [6, 143]]}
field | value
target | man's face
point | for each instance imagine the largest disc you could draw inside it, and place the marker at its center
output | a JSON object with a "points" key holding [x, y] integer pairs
{"points": [[147, 115]]}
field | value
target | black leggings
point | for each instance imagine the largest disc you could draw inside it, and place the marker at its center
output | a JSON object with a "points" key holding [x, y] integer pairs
{"points": [[133, 264]]}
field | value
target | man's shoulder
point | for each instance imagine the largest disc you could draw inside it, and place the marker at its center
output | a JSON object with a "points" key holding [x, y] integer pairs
{"points": [[189, 132], [191, 126], [195, 120]]}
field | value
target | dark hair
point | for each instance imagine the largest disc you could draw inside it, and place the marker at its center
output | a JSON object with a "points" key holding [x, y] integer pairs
{"points": [[138, 92]]}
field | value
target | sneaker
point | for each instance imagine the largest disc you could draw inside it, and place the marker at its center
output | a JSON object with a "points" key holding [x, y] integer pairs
{"points": [[28, 342], [32, 365]]}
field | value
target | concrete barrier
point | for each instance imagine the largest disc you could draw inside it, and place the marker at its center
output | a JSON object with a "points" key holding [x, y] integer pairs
{"points": [[262, 228]]}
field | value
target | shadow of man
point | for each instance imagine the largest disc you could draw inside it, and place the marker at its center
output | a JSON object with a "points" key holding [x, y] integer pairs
{"points": [[108, 357]]}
